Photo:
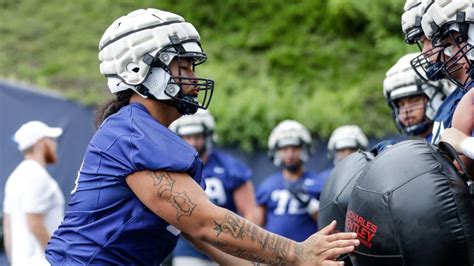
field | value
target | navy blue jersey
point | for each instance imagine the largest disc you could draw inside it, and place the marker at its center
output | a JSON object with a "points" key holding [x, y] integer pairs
{"points": [[444, 115], [223, 175], [429, 137], [105, 222], [284, 215]]}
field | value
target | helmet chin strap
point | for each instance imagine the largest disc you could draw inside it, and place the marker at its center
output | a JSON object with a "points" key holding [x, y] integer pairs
{"points": [[415, 129], [419, 128], [433, 71], [277, 161], [187, 105]]}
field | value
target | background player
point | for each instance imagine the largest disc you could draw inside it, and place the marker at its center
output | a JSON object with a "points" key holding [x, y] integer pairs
{"points": [[228, 183], [287, 200], [413, 101], [344, 141]]}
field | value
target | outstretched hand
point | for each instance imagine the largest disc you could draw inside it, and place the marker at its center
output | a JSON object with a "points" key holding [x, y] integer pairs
{"points": [[325, 246]]}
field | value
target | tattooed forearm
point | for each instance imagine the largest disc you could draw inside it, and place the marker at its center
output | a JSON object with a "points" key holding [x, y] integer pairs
{"points": [[164, 184], [232, 224], [239, 228], [238, 252]]}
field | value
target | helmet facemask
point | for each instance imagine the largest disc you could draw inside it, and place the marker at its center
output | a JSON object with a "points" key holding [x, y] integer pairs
{"points": [[442, 22], [410, 129], [457, 52], [303, 156], [401, 84], [428, 65], [431, 104], [186, 104], [289, 133]]}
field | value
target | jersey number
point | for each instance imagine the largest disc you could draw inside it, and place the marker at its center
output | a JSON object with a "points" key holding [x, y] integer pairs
{"points": [[215, 191], [286, 201]]}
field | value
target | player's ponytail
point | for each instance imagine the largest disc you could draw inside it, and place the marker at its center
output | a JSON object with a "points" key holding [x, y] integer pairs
{"points": [[112, 106]]}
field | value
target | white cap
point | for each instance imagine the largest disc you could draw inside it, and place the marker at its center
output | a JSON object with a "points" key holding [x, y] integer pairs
{"points": [[31, 132]]}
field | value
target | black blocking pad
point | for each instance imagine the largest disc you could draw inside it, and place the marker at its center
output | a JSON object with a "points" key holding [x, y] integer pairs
{"points": [[337, 189], [411, 207]]}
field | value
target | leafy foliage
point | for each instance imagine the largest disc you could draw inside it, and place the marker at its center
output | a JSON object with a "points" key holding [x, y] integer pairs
{"points": [[320, 62]]}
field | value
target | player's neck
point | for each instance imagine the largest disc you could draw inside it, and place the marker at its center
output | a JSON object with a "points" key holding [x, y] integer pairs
{"points": [[37, 156], [204, 157], [161, 111], [427, 132], [293, 175]]}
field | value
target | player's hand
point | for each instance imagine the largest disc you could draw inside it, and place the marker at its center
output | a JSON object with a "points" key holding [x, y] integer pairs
{"points": [[454, 137], [305, 200], [324, 247], [298, 191]]}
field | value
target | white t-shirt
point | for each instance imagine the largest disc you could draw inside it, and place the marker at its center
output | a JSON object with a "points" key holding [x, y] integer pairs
{"points": [[30, 189]]}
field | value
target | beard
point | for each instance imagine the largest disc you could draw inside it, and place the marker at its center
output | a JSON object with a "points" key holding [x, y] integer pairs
{"points": [[50, 155], [202, 151], [294, 167]]}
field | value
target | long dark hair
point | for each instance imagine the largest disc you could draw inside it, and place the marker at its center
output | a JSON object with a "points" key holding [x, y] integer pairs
{"points": [[112, 106]]}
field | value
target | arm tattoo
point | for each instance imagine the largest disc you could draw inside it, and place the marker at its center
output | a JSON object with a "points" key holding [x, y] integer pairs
{"points": [[238, 252], [180, 200], [239, 228]]}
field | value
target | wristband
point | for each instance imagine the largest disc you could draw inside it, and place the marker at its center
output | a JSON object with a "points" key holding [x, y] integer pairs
{"points": [[467, 147]]}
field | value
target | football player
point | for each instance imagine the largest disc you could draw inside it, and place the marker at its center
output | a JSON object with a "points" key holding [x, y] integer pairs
{"points": [[287, 201], [435, 24], [449, 24], [344, 141], [414, 102]]}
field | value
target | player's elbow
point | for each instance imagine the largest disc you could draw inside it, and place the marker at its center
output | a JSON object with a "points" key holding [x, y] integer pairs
{"points": [[203, 228]]}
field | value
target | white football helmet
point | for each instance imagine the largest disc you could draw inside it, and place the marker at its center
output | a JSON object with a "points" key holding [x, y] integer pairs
{"points": [[401, 81], [441, 19], [202, 122], [411, 20], [426, 65], [289, 133], [136, 52], [347, 136]]}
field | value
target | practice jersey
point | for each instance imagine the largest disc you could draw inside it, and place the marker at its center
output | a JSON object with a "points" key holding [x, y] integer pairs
{"points": [[223, 175], [105, 222], [284, 214], [444, 115]]}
